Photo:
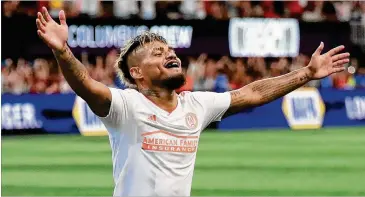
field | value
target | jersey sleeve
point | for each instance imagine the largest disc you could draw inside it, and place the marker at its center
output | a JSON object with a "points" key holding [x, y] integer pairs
{"points": [[118, 112], [214, 105]]}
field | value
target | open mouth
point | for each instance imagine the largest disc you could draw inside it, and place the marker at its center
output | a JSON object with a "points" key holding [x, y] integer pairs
{"points": [[172, 64]]}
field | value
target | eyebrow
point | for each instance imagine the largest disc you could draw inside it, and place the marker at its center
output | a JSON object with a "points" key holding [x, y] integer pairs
{"points": [[161, 49]]}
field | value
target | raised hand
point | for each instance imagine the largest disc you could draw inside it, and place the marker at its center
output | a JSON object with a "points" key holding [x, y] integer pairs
{"points": [[53, 34], [328, 63]]}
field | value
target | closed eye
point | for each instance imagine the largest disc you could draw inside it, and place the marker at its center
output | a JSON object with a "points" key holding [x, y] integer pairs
{"points": [[157, 54]]}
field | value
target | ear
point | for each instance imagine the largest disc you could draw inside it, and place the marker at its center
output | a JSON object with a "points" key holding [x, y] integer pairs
{"points": [[136, 72]]}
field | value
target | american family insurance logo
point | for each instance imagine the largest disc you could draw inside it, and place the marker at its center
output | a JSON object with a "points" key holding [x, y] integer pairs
{"points": [[167, 142]]}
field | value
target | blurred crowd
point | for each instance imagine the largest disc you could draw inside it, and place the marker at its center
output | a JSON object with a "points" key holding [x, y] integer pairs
{"points": [[43, 75], [194, 9], [218, 74], [203, 73]]}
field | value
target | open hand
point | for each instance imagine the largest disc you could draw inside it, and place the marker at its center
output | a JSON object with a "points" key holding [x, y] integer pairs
{"points": [[328, 63], [53, 34]]}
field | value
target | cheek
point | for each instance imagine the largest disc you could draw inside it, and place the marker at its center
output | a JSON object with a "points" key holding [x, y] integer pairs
{"points": [[152, 69]]}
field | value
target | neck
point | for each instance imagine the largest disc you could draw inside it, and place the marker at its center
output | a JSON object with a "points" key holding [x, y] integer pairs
{"points": [[165, 99]]}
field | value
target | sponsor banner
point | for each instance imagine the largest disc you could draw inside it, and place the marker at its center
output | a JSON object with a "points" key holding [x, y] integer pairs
{"points": [[257, 37], [29, 112], [88, 123], [107, 36], [344, 107], [165, 141], [304, 109], [237, 37]]}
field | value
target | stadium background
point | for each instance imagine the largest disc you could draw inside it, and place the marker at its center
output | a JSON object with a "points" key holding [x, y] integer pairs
{"points": [[308, 143]]}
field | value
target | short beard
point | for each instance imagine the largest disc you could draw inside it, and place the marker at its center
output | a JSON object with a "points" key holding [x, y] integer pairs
{"points": [[173, 82]]}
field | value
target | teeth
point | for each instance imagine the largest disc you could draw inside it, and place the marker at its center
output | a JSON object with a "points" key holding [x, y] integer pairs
{"points": [[173, 64]]}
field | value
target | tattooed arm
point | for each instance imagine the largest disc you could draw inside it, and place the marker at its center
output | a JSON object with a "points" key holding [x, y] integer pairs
{"points": [[97, 95], [267, 90]]}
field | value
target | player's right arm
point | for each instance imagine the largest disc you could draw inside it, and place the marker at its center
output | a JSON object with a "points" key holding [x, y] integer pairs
{"points": [[97, 95]]}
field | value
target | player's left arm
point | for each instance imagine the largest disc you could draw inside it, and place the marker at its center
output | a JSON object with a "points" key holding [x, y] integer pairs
{"points": [[264, 91]]}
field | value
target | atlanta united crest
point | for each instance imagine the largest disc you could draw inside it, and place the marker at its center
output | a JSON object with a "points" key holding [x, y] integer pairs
{"points": [[191, 120]]}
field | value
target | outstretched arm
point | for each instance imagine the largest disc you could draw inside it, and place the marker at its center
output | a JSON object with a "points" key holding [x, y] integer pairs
{"points": [[264, 91], [97, 95]]}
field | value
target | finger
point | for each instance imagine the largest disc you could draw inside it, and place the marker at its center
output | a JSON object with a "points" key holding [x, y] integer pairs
{"points": [[319, 49], [45, 14], [339, 63], [338, 69], [40, 26], [41, 34], [40, 17], [62, 17], [335, 50], [340, 56]]}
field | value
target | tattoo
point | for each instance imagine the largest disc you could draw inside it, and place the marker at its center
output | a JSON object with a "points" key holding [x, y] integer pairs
{"points": [[153, 93], [235, 93], [267, 90], [74, 71], [97, 96], [277, 87], [150, 93]]}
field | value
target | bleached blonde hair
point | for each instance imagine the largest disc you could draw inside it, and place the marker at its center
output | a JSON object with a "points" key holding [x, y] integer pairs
{"points": [[121, 64]]}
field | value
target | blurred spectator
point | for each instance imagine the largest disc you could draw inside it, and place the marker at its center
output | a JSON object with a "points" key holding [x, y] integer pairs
{"points": [[329, 11], [344, 80], [64, 87], [221, 83], [9, 7], [168, 10], [216, 10], [41, 74], [203, 73], [279, 67], [28, 8], [54, 6], [294, 9], [207, 82], [343, 10], [88, 7], [148, 9], [194, 9], [239, 9], [12, 80], [71, 9], [239, 78], [269, 9], [189, 83], [359, 73], [358, 12], [313, 11], [256, 68]]}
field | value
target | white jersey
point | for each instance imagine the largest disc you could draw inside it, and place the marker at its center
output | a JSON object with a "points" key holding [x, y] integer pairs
{"points": [[154, 151]]}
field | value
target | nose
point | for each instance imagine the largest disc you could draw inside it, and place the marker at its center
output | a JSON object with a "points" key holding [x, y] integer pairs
{"points": [[171, 55]]}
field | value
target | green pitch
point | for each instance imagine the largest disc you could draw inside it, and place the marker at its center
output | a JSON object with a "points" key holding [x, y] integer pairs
{"points": [[327, 162]]}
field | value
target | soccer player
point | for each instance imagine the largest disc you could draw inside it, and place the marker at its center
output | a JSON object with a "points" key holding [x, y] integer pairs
{"points": [[153, 131]]}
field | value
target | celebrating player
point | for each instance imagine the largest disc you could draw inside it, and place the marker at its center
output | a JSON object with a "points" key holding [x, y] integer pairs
{"points": [[153, 131]]}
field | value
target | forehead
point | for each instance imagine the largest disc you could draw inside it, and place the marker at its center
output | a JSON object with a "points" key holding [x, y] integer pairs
{"points": [[153, 46]]}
